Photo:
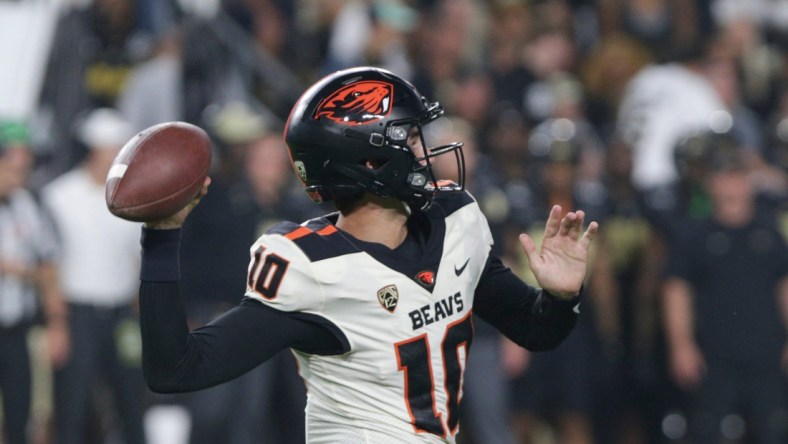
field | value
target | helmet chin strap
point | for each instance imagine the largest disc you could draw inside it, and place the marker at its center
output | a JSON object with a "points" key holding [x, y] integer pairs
{"points": [[406, 207], [366, 179]]}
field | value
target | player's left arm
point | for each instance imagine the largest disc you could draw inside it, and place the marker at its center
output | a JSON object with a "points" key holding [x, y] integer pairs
{"points": [[531, 317], [539, 319]]}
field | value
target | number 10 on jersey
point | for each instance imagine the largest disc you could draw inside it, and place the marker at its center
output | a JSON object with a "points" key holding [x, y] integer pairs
{"points": [[415, 361]]}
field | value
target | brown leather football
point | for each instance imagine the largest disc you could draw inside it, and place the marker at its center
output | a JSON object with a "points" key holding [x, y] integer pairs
{"points": [[158, 172]]}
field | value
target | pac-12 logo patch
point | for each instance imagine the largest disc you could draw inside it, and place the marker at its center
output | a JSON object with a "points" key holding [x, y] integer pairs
{"points": [[358, 103], [388, 297]]}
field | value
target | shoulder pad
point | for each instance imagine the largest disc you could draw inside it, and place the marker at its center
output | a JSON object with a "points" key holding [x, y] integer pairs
{"points": [[449, 202], [317, 238]]}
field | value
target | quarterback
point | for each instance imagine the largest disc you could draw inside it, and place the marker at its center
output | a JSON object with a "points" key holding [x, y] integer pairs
{"points": [[375, 300]]}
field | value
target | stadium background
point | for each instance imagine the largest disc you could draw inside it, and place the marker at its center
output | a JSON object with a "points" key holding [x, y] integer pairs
{"points": [[617, 107]]}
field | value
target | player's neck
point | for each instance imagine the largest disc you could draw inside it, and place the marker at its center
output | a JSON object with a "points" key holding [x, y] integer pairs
{"points": [[383, 221]]}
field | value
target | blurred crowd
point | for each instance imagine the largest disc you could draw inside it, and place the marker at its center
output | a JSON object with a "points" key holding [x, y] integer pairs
{"points": [[664, 120]]}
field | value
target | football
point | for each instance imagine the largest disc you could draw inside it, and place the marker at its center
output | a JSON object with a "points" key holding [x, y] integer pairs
{"points": [[158, 172]]}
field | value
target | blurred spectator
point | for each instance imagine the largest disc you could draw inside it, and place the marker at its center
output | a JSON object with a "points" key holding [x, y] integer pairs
{"points": [[669, 211], [28, 269], [745, 125], [243, 53], [663, 104], [549, 55], [670, 208], [154, 89], [755, 37], [473, 99], [634, 381], [557, 388], [777, 133], [605, 72], [371, 33], [157, 17], [93, 52], [726, 312], [99, 275], [665, 26], [556, 15], [509, 31], [510, 210], [567, 121], [445, 46]]}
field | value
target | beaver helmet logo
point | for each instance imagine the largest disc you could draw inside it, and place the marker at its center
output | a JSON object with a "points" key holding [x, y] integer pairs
{"points": [[358, 103], [388, 297]]}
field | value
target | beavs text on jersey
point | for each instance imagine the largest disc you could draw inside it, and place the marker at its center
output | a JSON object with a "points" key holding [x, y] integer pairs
{"points": [[436, 311]]}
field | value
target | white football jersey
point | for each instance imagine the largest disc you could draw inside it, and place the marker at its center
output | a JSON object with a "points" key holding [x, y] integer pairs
{"points": [[406, 325]]}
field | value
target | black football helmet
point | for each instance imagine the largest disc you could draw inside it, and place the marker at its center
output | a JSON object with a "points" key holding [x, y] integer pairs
{"points": [[356, 130]]}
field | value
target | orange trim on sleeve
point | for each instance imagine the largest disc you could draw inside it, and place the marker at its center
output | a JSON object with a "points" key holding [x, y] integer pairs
{"points": [[303, 231], [299, 232], [328, 229]]}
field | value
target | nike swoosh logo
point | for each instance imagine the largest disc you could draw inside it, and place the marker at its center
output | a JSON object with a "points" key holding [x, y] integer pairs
{"points": [[576, 309], [458, 271]]}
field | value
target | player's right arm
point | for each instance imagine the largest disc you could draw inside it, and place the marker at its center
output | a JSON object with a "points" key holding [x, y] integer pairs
{"points": [[176, 359]]}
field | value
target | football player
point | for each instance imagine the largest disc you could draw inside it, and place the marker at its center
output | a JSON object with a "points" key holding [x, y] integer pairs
{"points": [[374, 300]]}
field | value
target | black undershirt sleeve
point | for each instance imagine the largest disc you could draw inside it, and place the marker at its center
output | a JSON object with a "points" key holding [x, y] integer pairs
{"points": [[529, 316], [178, 360]]}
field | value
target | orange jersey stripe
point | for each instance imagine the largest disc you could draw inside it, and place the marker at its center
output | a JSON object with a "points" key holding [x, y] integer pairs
{"points": [[329, 229], [303, 231], [300, 232]]}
